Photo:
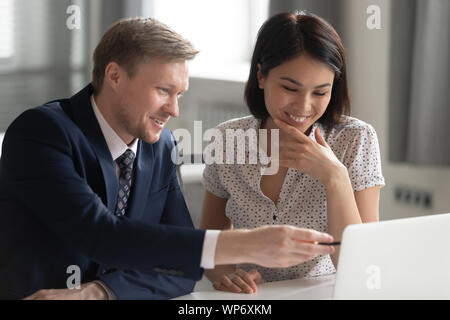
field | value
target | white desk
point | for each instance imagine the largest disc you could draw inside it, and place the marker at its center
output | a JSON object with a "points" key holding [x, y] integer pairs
{"points": [[297, 289]]}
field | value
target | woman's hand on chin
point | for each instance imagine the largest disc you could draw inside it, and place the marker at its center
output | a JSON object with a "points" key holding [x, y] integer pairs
{"points": [[317, 159]]}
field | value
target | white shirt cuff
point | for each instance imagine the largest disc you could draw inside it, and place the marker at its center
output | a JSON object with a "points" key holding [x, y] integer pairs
{"points": [[209, 249]]}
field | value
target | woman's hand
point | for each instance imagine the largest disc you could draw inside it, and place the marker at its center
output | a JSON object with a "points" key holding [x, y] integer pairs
{"points": [[314, 158], [239, 281]]}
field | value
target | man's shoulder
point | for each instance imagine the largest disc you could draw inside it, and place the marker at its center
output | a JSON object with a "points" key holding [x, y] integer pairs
{"points": [[49, 114], [60, 112]]}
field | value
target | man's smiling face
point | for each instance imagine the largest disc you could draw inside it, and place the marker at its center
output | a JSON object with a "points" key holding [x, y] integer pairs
{"points": [[148, 98]]}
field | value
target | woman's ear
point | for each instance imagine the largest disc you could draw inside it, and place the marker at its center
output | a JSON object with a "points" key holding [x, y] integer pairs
{"points": [[260, 77]]}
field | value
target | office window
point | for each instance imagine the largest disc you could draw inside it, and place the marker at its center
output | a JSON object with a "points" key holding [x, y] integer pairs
{"points": [[6, 29], [224, 32], [40, 58]]}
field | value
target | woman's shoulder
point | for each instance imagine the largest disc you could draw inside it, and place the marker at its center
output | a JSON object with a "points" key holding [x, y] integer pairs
{"points": [[350, 131], [243, 123], [348, 122], [352, 126]]}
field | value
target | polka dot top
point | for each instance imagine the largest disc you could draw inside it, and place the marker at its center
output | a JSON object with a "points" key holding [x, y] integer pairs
{"points": [[302, 199]]}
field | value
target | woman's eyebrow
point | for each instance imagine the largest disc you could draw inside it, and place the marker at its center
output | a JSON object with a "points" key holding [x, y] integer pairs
{"points": [[300, 85]]}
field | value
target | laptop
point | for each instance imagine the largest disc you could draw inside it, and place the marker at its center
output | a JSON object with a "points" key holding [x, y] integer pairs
{"points": [[396, 259]]}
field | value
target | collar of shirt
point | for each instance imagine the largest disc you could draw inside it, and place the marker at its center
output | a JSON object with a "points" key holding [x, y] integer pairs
{"points": [[115, 144]]}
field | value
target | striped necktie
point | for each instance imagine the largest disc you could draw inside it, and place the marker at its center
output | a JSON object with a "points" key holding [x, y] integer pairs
{"points": [[125, 162]]}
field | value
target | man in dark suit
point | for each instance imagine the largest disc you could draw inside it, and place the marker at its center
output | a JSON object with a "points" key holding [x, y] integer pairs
{"points": [[88, 183]]}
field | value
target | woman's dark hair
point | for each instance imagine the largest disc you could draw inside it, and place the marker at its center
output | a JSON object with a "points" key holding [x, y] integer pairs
{"points": [[286, 36]]}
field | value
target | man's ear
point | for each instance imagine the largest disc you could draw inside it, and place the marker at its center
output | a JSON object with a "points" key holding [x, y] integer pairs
{"points": [[260, 77], [113, 74]]}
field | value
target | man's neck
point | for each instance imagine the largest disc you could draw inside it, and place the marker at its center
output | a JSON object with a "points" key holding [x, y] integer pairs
{"points": [[106, 108]]}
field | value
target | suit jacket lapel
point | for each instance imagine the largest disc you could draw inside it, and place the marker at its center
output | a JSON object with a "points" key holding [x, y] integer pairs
{"points": [[142, 178], [85, 118]]}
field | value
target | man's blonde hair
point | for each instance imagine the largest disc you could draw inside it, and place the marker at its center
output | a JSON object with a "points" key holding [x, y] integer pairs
{"points": [[132, 41]]}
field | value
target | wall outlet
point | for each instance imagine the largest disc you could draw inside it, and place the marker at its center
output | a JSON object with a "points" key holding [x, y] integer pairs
{"points": [[413, 197]]}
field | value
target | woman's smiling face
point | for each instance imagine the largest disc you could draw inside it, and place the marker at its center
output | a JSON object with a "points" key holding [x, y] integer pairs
{"points": [[297, 91]]}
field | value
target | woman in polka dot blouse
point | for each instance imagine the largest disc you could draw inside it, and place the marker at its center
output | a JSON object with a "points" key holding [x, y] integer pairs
{"points": [[329, 173]]}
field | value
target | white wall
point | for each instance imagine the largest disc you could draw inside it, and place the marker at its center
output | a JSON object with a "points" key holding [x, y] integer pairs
{"points": [[368, 63]]}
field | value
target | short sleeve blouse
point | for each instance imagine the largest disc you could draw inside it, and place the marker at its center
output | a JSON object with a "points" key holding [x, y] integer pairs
{"points": [[302, 199]]}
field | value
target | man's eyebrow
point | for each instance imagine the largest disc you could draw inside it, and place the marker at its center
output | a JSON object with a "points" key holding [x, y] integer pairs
{"points": [[171, 87], [300, 85]]}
